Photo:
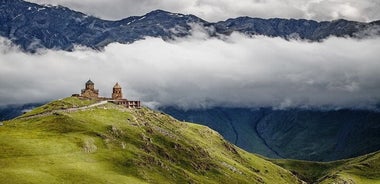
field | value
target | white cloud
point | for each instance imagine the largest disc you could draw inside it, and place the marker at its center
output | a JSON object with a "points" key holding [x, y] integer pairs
{"points": [[200, 72], [216, 10]]}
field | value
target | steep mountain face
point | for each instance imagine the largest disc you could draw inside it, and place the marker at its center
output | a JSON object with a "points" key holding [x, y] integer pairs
{"points": [[82, 141], [32, 26], [298, 134]]}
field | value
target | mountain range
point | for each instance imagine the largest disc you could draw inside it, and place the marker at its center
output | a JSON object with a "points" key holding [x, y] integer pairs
{"points": [[32, 26]]}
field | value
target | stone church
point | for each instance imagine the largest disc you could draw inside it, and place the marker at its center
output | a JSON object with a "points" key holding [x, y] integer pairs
{"points": [[90, 92]]}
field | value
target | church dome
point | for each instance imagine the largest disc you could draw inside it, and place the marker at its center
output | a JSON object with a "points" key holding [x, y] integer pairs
{"points": [[89, 82], [117, 86]]}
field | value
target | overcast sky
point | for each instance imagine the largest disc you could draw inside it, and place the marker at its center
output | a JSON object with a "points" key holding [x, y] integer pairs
{"points": [[198, 71], [215, 10]]}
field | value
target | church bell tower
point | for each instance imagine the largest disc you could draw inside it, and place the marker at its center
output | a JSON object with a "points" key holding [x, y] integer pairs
{"points": [[116, 92]]}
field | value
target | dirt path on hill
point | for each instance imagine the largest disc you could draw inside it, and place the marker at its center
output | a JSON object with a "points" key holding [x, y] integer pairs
{"points": [[63, 110]]}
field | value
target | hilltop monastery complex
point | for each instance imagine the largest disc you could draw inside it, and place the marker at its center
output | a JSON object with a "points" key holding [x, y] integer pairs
{"points": [[90, 92]]}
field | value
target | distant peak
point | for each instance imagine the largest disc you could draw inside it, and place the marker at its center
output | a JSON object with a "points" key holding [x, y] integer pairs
{"points": [[163, 12], [158, 11]]}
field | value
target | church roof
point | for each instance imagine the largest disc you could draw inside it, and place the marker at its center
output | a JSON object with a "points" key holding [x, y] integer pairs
{"points": [[117, 85], [89, 82]]}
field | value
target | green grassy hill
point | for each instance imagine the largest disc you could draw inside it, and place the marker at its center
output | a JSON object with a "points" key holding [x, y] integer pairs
{"points": [[364, 169], [112, 144], [82, 141]]}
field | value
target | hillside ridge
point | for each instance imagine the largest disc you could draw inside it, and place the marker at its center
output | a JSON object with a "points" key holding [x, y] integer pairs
{"points": [[108, 143]]}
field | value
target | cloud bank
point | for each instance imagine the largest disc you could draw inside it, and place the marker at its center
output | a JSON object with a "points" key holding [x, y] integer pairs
{"points": [[198, 72], [216, 10]]}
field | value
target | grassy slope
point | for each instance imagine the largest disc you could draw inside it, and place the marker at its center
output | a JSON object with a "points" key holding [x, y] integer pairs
{"points": [[111, 144], [71, 102], [364, 169], [225, 121]]}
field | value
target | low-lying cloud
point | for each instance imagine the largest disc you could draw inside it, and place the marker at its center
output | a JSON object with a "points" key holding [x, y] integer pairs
{"points": [[212, 10], [198, 72]]}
